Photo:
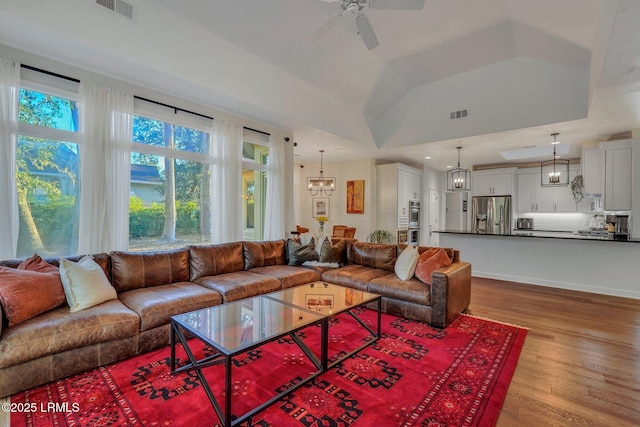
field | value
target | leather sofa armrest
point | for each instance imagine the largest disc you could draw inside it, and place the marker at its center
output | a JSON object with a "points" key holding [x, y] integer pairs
{"points": [[3, 319], [450, 292]]}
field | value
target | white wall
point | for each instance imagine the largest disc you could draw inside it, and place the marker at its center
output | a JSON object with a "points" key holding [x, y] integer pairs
{"points": [[343, 172], [431, 178]]}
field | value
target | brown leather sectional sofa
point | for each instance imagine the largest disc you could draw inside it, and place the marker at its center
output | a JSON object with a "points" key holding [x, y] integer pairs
{"points": [[154, 286]]}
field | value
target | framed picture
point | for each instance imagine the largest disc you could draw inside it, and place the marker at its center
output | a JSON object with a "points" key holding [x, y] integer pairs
{"points": [[320, 207], [355, 197], [318, 301]]}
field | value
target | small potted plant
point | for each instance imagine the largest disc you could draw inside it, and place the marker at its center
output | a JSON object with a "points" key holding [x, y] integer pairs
{"points": [[321, 220], [380, 236]]}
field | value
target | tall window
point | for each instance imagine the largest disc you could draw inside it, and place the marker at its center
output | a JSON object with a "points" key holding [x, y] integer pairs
{"points": [[170, 191], [255, 158], [47, 173]]}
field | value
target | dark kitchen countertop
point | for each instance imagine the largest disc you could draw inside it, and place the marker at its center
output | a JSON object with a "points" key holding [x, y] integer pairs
{"points": [[540, 234]]}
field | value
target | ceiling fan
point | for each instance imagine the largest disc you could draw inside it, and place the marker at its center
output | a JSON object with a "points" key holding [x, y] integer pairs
{"points": [[354, 9]]}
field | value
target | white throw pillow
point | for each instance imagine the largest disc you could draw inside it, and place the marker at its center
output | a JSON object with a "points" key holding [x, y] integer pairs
{"points": [[406, 263], [85, 284]]}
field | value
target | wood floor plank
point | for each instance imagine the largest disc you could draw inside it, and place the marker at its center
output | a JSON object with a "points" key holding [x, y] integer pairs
{"points": [[580, 364]]}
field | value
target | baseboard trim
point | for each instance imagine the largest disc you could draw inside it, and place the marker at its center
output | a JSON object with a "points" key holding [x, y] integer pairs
{"points": [[561, 285]]}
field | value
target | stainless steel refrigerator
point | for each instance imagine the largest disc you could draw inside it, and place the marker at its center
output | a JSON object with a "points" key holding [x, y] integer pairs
{"points": [[491, 214]]}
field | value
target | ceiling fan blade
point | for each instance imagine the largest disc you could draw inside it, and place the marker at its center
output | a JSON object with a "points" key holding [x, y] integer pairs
{"points": [[324, 28], [366, 32], [396, 4]]}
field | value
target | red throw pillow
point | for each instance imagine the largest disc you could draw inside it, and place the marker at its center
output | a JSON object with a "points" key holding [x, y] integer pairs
{"points": [[430, 261], [30, 289], [35, 263]]}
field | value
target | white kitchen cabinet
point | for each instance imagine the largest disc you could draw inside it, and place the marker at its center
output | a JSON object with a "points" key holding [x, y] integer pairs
{"points": [[397, 184], [533, 197], [526, 191], [493, 182], [592, 170], [413, 181], [617, 176]]}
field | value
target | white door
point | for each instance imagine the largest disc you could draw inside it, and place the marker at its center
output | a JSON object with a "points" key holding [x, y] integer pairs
{"points": [[434, 218]]}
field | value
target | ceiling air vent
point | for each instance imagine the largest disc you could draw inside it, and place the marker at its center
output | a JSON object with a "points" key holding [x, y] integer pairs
{"points": [[458, 114], [120, 7]]}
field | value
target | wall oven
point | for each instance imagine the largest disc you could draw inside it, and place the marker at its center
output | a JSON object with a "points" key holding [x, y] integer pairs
{"points": [[414, 214]]}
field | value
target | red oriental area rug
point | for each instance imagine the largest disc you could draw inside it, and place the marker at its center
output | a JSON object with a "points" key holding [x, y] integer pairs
{"points": [[414, 375]]}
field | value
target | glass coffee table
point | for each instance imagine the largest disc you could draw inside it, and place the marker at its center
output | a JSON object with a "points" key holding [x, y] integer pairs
{"points": [[237, 327], [330, 300]]}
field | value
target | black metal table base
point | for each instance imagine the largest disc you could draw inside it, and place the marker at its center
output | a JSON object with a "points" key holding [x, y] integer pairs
{"points": [[322, 364]]}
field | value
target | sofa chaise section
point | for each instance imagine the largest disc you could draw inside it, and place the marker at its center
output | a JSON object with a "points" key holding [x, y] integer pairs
{"points": [[58, 343], [371, 268]]}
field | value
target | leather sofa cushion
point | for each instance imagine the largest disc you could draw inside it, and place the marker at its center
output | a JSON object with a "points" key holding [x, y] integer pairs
{"points": [[240, 284], [211, 260], [263, 254], [59, 330], [135, 270], [412, 290], [353, 276], [374, 255], [156, 305], [287, 275]]}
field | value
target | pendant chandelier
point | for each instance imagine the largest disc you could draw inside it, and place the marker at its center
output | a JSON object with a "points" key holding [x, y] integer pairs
{"points": [[319, 185], [459, 179], [555, 172]]}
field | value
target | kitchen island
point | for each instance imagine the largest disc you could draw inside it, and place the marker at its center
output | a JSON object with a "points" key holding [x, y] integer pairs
{"points": [[556, 259]]}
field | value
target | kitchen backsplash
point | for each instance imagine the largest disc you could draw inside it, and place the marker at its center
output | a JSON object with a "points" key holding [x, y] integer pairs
{"points": [[559, 221]]}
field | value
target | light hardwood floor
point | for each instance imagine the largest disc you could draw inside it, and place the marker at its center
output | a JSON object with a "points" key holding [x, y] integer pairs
{"points": [[580, 365]]}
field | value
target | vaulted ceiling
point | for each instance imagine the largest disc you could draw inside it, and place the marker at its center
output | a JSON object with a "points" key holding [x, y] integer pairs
{"points": [[521, 69]]}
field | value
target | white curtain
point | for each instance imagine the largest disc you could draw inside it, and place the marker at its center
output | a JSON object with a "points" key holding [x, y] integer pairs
{"points": [[274, 218], [105, 168], [9, 225], [226, 182]]}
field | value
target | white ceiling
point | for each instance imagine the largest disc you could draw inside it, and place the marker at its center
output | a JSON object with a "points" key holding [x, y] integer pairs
{"points": [[521, 68]]}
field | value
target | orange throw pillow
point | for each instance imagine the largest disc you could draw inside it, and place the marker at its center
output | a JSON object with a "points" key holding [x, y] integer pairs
{"points": [[430, 261], [30, 289], [35, 263]]}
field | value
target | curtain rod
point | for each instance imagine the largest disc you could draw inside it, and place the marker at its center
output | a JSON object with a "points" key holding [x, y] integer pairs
{"points": [[61, 76], [175, 109], [256, 130]]}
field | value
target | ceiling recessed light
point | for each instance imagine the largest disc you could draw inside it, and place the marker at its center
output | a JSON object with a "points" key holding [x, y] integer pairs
{"points": [[427, 157], [449, 166]]}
